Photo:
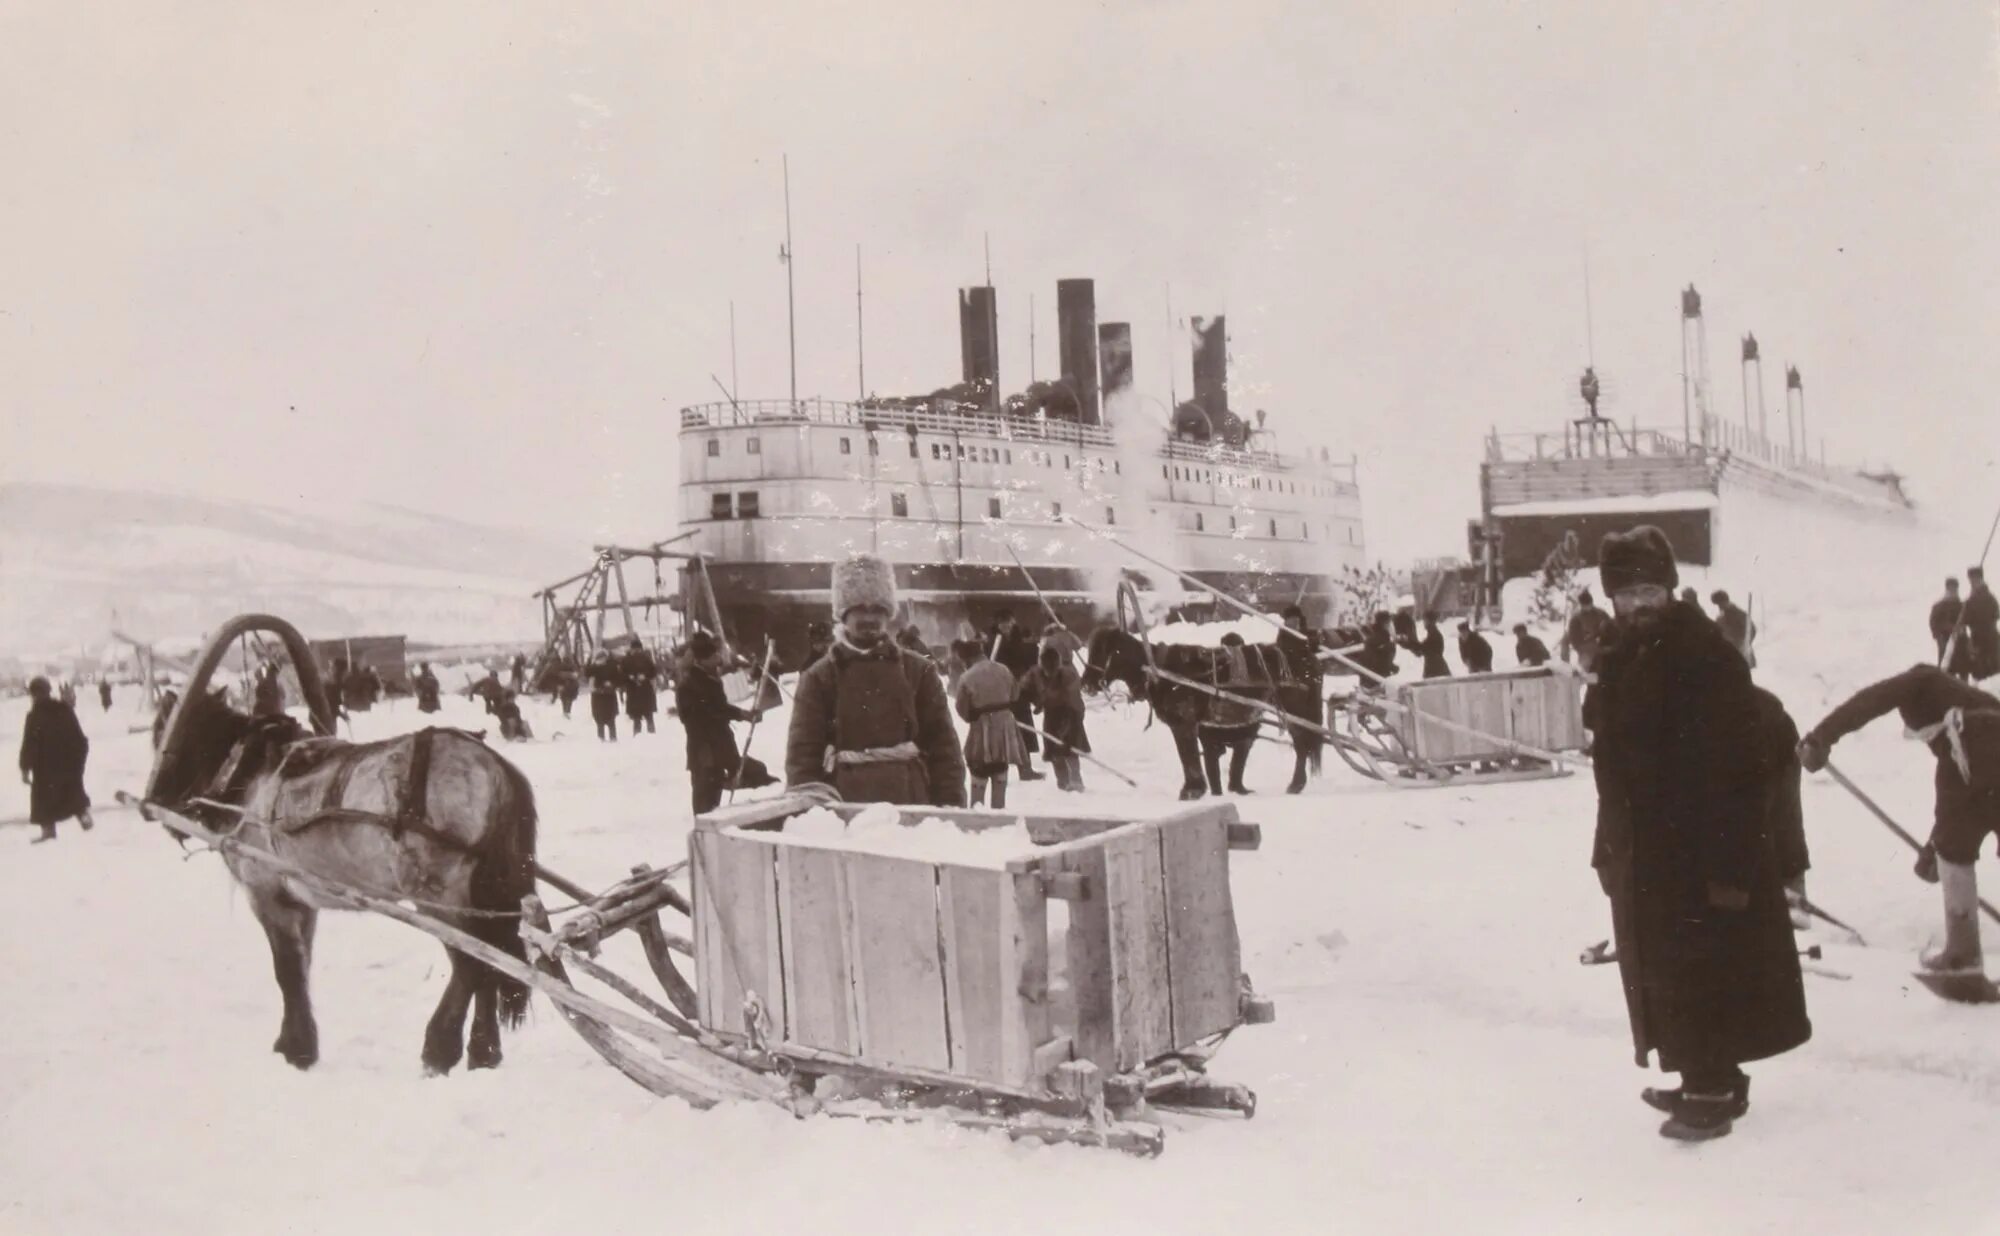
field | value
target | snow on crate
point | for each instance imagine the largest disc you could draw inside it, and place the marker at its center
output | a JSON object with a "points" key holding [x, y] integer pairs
{"points": [[880, 830], [1209, 634]]}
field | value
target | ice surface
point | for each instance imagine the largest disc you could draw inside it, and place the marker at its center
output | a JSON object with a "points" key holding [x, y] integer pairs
{"points": [[1440, 1062]]}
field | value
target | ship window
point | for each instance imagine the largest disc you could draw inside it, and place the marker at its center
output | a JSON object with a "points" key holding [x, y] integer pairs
{"points": [[1110, 516], [1055, 510], [1009, 452], [899, 504], [1116, 469], [846, 447], [746, 505], [1198, 522], [874, 447], [714, 447], [1066, 463], [1166, 472], [993, 506], [937, 451], [1274, 527], [718, 506], [754, 445], [913, 448], [1232, 523]]}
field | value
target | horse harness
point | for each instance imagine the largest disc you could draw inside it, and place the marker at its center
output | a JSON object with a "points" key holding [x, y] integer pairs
{"points": [[413, 800]]}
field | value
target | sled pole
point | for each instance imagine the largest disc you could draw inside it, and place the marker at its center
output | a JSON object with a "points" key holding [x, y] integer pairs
{"points": [[1083, 755], [743, 759], [1893, 827]]}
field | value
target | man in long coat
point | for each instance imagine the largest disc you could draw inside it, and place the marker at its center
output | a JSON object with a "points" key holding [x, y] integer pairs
{"points": [[984, 699], [1683, 846], [1304, 696], [1014, 648], [1585, 633], [53, 753], [1981, 619], [870, 723], [1736, 626], [1430, 648], [606, 679], [1945, 613], [706, 713], [1475, 652], [1057, 690], [642, 698]]}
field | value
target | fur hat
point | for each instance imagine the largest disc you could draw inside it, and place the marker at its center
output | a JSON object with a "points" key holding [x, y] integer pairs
{"points": [[863, 579], [1641, 556], [701, 645]]}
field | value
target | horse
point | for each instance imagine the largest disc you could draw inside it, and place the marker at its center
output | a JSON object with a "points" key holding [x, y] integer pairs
{"points": [[1203, 724], [434, 817]]}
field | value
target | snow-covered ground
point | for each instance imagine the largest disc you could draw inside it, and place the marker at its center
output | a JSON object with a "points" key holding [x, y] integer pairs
{"points": [[1440, 1061]]}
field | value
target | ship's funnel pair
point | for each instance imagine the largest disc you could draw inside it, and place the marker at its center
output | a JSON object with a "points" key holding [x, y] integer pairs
{"points": [[1096, 360]]}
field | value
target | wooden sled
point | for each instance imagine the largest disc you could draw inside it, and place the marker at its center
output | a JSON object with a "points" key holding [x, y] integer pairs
{"points": [[1471, 730]]}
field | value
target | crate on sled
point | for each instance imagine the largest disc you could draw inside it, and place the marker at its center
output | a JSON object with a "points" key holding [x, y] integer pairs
{"points": [[1538, 707], [1106, 941]]}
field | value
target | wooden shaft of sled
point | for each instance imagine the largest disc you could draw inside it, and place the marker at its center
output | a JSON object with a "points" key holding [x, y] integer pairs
{"points": [[724, 1076], [1082, 755], [1892, 826], [756, 715]]}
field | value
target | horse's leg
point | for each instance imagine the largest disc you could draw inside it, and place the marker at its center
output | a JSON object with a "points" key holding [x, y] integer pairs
{"points": [[482, 1050], [444, 1036], [1188, 747], [288, 925]]}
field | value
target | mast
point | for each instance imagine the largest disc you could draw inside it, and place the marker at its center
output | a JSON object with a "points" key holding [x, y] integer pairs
{"points": [[733, 387], [860, 352], [1173, 395], [1031, 338], [791, 316]]}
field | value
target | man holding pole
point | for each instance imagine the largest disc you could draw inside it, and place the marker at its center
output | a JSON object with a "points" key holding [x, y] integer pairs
{"points": [[705, 713], [1683, 849], [1961, 726]]}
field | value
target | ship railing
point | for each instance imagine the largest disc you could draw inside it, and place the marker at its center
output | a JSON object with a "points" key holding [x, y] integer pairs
{"points": [[1035, 430]]}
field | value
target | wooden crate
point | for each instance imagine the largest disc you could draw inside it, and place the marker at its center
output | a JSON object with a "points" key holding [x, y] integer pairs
{"points": [[1539, 707], [942, 972]]}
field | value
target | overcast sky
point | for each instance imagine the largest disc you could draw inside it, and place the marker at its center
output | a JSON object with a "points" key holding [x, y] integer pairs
{"points": [[471, 257]]}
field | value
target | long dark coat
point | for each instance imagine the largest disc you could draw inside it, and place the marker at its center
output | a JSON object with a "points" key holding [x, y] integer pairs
{"points": [[1431, 649], [53, 752], [606, 679], [1981, 617], [705, 713], [1017, 651], [641, 672], [1304, 696], [1059, 694], [855, 700], [1683, 793]]}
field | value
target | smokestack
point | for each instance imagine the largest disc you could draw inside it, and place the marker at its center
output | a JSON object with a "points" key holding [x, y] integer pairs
{"points": [[1795, 406], [1753, 375], [1114, 358], [1211, 367], [1076, 331], [979, 341]]}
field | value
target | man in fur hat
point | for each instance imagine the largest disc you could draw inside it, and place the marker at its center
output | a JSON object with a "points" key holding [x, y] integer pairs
{"points": [[1683, 848], [870, 722]]}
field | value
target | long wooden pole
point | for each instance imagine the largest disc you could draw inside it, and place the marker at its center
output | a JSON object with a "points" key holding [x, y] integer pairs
{"points": [[1892, 826], [756, 715], [1082, 755]]}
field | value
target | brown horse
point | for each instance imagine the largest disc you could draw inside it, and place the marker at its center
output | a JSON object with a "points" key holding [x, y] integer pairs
{"points": [[433, 817]]}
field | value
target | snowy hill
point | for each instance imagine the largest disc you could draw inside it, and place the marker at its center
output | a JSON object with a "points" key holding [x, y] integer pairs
{"points": [[170, 566]]}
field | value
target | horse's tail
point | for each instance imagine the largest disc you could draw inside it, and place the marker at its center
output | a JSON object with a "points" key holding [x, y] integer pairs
{"points": [[505, 873]]}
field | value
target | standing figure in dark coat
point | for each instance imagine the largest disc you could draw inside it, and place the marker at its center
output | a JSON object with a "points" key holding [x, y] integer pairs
{"points": [[605, 679], [1378, 649], [984, 698], [567, 685], [1585, 633], [642, 696], [1784, 814], [1057, 689], [1961, 725], [267, 698], [1304, 696], [1736, 626], [1474, 652], [911, 638], [705, 713], [1013, 647], [1683, 847], [517, 670], [1945, 615], [427, 688], [1528, 650], [1430, 648], [870, 723], [513, 726], [1230, 724], [53, 753], [1981, 619], [104, 694]]}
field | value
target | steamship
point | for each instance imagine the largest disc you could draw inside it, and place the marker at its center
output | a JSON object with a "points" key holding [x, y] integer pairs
{"points": [[1728, 496], [984, 504]]}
